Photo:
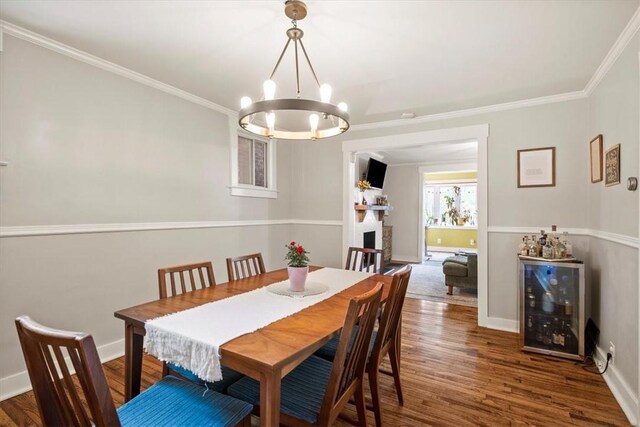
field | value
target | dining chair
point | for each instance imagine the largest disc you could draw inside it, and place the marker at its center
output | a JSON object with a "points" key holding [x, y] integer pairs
{"points": [[203, 278], [200, 276], [86, 400], [315, 392], [386, 341], [364, 259], [245, 266]]}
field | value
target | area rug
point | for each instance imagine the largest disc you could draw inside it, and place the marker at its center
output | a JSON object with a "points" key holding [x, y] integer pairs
{"points": [[427, 283]]}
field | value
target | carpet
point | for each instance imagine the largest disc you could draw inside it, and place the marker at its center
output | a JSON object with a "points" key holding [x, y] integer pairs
{"points": [[427, 283]]}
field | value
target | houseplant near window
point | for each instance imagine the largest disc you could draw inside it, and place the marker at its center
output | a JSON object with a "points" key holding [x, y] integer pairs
{"points": [[298, 266]]}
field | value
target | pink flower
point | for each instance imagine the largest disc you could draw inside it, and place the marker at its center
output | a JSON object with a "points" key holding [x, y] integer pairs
{"points": [[300, 249]]}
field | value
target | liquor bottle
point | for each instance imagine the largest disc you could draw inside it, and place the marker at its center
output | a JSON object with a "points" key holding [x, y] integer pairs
{"points": [[543, 238], [522, 248], [529, 326], [569, 339], [555, 332], [547, 250], [567, 245], [568, 307], [560, 250], [546, 334], [533, 248], [547, 302]]}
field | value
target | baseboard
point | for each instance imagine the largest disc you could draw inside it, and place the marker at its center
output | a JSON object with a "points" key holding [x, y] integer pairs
{"points": [[410, 259], [619, 387], [500, 324], [19, 383], [449, 249]]}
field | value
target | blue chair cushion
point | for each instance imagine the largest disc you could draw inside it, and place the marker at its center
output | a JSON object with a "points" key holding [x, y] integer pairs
{"points": [[229, 376], [172, 402], [328, 351], [302, 390]]}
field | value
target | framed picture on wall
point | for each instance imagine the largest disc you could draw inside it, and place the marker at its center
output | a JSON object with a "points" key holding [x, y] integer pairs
{"points": [[595, 154], [537, 167], [612, 166]]}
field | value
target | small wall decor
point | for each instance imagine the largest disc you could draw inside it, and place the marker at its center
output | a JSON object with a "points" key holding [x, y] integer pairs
{"points": [[632, 183], [537, 167], [595, 154], [612, 166]]}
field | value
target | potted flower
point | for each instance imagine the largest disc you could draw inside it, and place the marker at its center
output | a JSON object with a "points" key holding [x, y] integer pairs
{"points": [[362, 185], [298, 266]]}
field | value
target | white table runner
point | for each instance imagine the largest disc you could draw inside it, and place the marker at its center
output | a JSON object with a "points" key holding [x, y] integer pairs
{"points": [[192, 338]]}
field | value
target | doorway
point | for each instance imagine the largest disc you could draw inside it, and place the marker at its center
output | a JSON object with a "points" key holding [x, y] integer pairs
{"points": [[479, 134]]}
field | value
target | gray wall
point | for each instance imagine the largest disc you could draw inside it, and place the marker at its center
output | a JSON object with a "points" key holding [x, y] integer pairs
{"points": [[85, 146], [573, 203], [614, 112], [402, 186]]}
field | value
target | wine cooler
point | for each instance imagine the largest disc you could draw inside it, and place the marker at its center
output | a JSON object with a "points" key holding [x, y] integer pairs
{"points": [[552, 308]]}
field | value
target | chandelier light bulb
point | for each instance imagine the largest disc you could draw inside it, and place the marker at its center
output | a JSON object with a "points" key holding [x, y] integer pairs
{"points": [[343, 106], [325, 93], [313, 122], [271, 120], [245, 101], [269, 87]]}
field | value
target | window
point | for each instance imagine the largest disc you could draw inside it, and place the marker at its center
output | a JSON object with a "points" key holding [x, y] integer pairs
{"points": [[451, 204], [253, 167]]}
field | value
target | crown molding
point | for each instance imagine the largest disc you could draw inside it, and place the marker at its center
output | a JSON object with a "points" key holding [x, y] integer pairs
{"points": [[87, 58], [618, 47], [614, 53], [551, 99]]}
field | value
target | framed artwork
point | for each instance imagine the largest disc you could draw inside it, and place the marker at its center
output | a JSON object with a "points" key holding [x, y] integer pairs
{"points": [[612, 166], [595, 154], [537, 167]]}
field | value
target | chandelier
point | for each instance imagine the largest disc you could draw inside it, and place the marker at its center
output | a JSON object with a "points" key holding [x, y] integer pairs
{"points": [[260, 117]]}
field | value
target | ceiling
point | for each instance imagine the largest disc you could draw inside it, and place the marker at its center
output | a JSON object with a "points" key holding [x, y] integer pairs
{"points": [[450, 152], [382, 57]]}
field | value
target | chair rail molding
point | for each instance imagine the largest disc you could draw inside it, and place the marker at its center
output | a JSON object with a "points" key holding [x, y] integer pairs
{"points": [[622, 239], [52, 230]]}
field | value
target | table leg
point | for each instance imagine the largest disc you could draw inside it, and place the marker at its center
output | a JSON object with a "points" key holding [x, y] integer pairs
{"points": [[270, 398], [132, 362]]}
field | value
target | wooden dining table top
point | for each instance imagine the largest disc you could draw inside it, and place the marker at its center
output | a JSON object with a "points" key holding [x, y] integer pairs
{"points": [[279, 345]]}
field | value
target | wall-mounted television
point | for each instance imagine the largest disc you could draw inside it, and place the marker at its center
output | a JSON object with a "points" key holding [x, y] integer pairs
{"points": [[375, 173]]}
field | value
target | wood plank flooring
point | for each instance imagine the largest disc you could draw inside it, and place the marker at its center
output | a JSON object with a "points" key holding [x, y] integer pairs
{"points": [[453, 374]]}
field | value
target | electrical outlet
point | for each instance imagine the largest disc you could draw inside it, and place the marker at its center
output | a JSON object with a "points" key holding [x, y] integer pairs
{"points": [[439, 241], [472, 242], [612, 350]]}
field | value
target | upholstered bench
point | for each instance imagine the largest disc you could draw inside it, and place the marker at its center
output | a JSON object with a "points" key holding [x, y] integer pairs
{"points": [[461, 271]]}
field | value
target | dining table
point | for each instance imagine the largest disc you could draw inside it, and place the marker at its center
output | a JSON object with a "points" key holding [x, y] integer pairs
{"points": [[266, 355]]}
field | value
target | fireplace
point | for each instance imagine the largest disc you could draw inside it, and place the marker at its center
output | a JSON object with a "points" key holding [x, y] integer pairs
{"points": [[369, 239]]}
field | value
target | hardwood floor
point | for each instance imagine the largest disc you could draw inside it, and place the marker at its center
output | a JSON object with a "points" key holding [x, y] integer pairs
{"points": [[453, 373]]}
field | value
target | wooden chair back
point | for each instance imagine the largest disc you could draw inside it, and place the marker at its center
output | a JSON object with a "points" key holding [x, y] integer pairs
{"points": [[351, 356], [364, 259], [200, 277], [391, 313], [245, 266], [60, 400]]}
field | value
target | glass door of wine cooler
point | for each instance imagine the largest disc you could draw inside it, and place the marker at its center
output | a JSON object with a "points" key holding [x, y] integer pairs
{"points": [[552, 299]]}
